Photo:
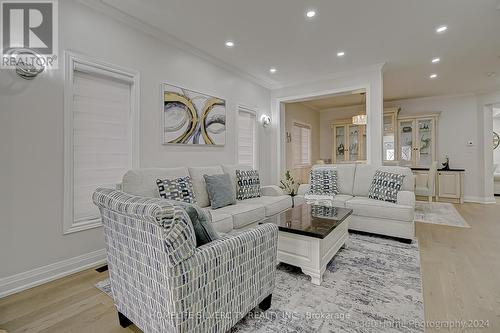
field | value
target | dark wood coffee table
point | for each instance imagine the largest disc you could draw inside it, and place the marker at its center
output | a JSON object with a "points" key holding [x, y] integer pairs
{"points": [[310, 235]]}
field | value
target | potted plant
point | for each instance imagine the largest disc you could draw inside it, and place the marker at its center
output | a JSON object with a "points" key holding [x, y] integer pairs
{"points": [[289, 185]]}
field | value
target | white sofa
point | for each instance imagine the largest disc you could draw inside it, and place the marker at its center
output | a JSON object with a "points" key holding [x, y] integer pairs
{"points": [[243, 214], [369, 215]]}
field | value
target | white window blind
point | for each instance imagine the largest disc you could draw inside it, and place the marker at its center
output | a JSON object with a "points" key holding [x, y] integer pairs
{"points": [[102, 138], [301, 144], [247, 147]]}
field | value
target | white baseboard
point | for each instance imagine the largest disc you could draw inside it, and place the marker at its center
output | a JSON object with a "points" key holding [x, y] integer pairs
{"points": [[481, 200], [35, 277]]}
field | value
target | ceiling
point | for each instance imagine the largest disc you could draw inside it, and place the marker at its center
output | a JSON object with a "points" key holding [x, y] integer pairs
{"points": [[399, 33], [338, 101]]}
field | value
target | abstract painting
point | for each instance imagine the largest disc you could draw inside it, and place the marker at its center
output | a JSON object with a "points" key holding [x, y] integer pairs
{"points": [[193, 118]]}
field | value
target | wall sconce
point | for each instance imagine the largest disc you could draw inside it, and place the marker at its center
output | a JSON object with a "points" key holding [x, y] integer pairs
{"points": [[266, 120], [28, 63]]}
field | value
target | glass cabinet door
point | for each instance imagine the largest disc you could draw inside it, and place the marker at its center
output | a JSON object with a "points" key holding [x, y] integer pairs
{"points": [[424, 144], [354, 149], [340, 144], [389, 149], [406, 129]]}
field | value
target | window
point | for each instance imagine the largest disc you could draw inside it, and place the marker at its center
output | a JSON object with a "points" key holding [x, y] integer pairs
{"points": [[247, 135], [301, 144], [99, 136]]}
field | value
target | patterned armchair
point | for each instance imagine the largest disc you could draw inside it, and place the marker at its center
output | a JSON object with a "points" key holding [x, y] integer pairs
{"points": [[163, 283]]}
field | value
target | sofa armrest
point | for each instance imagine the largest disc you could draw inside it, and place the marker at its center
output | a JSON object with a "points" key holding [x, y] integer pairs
{"points": [[406, 198], [171, 223], [271, 191], [230, 267], [303, 189]]}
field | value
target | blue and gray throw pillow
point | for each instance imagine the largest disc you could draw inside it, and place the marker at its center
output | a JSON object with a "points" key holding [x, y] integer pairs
{"points": [[220, 190], [202, 223], [247, 184], [323, 182], [385, 186], [179, 189]]}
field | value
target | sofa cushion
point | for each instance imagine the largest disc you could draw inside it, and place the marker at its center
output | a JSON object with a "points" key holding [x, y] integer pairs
{"points": [[142, 182], [220, 190], [345, 176], [223, 223], [243, 213], [366, 172], [273, 205], [199, 186], [363, 206]]}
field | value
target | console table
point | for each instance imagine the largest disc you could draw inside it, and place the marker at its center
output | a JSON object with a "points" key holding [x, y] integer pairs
{"points": [[449, 183]]}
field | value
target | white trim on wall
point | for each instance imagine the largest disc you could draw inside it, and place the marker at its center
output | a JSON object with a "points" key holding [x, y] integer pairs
{"points": [[278, 112], [15, 283], [254, 111], [75, 61]]}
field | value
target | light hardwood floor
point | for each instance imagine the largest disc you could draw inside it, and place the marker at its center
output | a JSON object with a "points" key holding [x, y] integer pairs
{"points": [[460, 269]]}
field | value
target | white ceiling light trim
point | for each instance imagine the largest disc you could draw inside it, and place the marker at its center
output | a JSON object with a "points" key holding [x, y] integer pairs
{"points": [[310, 13], [441, 29]]}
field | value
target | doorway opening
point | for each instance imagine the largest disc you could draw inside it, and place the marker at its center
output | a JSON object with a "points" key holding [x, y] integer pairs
{"points": [[324, 130], [496, 149]]}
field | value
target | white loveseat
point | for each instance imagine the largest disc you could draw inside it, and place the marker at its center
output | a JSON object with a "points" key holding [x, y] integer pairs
{"points": [[243, 214], [370, 215]]}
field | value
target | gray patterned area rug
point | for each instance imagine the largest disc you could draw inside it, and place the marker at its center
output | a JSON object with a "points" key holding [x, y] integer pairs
{"points": [[439, 213], [373, 285]]}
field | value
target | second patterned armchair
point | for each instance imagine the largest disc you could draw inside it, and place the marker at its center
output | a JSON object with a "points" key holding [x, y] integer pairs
{"points": [[162, 282]]}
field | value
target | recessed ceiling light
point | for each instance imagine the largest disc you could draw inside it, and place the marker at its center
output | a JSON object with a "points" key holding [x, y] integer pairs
{"points": [[435, 60], [340, 54], [229, 43], [441, 29], [433, 76], [310, 13], [491, 74], [272, 70]]}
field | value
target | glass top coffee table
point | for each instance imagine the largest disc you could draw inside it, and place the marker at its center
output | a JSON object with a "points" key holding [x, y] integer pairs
{"points": [[310, 235]]}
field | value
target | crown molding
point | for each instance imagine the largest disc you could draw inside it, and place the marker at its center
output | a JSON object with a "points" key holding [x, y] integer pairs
{"points": [[375, 68], [122, 17], [430, 98]]}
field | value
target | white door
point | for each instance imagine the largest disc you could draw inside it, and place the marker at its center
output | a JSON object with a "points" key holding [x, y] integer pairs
{"points": [[424, 143], [406, 152], [340, 144]]}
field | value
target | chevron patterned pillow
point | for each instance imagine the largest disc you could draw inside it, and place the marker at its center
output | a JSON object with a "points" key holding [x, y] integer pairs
{"points": [[323, 182], [385, 186]]}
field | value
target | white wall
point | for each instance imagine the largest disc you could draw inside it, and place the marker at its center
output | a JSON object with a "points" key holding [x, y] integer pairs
{"points": [[327, 117], [496, 129], [296, 112], [31, 133], [369, 79], [458, 123]]}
